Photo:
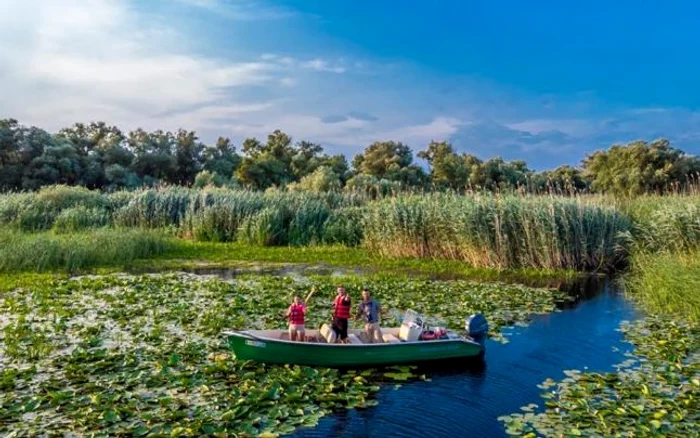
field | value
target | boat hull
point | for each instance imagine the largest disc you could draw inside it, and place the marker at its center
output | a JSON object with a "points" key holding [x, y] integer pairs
{"points": [[274, 351]]}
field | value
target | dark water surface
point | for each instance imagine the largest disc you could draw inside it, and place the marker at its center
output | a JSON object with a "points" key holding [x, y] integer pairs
{"points": [[465, 401]]}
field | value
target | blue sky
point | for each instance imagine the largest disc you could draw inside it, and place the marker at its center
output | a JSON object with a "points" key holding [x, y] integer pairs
{"points": [[543, 81]]}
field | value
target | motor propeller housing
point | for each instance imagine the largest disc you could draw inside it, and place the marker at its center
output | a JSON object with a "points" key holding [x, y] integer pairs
{"points": [[477, 327]]}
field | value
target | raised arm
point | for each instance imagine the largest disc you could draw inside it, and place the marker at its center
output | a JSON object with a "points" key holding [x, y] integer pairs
{"points": [[308, 297]]}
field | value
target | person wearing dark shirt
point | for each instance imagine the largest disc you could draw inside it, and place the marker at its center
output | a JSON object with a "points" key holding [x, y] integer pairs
{"points": [[370, 311]]}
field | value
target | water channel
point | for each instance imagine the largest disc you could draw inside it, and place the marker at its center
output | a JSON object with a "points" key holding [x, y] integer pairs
{"points": [[461, 401]]}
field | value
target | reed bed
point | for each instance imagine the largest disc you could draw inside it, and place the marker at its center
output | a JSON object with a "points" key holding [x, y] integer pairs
{"points": [[499, 231], [507, 230], [667, 283], [219, 215], [665, 275], [669, 223], [47, 251]]}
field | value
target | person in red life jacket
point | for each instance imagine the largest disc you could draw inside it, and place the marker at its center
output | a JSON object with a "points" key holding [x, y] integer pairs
{"points": [[341, 314], [296, 314]]}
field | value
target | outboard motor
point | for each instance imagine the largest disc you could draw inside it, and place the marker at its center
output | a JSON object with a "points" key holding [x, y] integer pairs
{"points": [[477, 327]]}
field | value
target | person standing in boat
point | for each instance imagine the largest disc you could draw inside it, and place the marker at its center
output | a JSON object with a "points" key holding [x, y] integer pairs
{"points": [[371, 312], [341, 314], [296, 314]]}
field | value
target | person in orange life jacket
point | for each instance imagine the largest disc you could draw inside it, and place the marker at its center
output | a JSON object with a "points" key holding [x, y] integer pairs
{"points": [[341, 313], [296, 313]]}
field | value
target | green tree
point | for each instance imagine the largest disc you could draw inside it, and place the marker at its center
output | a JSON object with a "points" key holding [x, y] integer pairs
{"points": [[323, 179], [497, 174], [447, 169], [60, 163], [118, 176], [639, 167], [389, 160], [339, 165], [563, 179], [306, 159], [188, 151], [11, 159], [267, 164], [153, 155], [221, 158], [96, 136], [92, 142]]}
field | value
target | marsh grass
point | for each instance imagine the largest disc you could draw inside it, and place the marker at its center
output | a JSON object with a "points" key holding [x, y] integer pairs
{"points": [[37, 211], [667, 283], [47, 251], [665, 274], [80, 218], [670, 223], [502, 232], [656, 391]]}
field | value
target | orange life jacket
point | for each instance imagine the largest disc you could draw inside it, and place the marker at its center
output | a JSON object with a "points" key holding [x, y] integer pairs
{"points": [[342, 307], [296, 314]]}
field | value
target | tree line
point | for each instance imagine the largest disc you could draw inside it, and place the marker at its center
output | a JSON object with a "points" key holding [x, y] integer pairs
{"points": [[101, 156]]}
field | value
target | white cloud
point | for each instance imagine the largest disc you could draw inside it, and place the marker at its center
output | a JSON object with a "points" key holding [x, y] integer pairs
{"points": [[79, 60], [74, 60], [322, 65], [351, 133], [569, 126], [244, 10], [212, 116]]}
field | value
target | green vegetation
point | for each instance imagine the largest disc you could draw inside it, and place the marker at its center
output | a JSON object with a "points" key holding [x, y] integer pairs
{"points": [[124, 355], [668, 284], [192, 255], [91, 355], [100, 156], [505, 232], [657, 391], [73, 252], [640, 168]]}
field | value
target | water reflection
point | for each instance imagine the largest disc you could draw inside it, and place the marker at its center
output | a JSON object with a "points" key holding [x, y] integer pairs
{"points": [[465, 399], [289, 271], [582, 288]]}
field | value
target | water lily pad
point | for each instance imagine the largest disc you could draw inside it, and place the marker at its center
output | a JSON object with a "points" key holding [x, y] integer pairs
{"points": [[143, 355]]}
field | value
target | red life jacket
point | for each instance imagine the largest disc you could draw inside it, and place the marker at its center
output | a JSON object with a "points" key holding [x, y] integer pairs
{"points": [[342, 308], [296, 314]]}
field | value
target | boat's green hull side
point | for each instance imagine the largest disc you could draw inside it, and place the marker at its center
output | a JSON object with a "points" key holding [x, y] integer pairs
{"points": [[281, 352]]}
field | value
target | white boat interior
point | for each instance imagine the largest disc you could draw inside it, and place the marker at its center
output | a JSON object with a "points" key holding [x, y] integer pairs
{"points": [[325, 335]]}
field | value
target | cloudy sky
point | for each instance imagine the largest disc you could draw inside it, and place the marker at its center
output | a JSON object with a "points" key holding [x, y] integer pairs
{"points": [[541, 81]]}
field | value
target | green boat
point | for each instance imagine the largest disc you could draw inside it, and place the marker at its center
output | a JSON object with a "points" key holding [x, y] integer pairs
{"points": [[413, 342]]}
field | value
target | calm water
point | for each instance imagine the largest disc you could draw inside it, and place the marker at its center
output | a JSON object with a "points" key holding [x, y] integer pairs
{"points": [[467, 400]]}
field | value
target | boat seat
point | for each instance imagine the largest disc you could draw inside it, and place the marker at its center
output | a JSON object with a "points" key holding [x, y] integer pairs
{"points": [[327, 333], [391, 339], [354, 339]]}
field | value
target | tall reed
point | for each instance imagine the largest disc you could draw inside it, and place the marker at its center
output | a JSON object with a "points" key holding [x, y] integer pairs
{"points": [[667, 283], [37, 211], [47, 251], [586, 232], [668, 223], [499, 231]]}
